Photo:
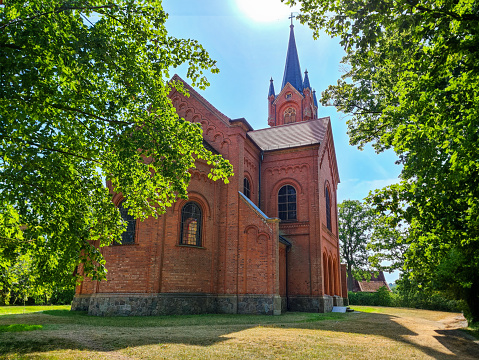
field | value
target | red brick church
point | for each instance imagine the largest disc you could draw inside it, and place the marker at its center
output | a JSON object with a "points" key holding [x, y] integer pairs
{"points": [[265, 243]]}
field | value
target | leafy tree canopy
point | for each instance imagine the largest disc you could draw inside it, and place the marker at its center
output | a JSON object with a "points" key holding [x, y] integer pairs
{"points": [[369, 241], [84, 99], [355, 221], [413, 86]]}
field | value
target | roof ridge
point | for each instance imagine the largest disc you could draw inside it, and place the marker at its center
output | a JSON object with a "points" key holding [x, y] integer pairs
{"points": [[292, 124]]}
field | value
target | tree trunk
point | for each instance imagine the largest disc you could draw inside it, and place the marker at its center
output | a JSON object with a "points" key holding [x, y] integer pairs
{"points": [[472, 300]]}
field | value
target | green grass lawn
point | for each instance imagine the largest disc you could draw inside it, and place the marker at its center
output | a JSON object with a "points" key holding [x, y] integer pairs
{"points": [[6, 310], [374, 333]]}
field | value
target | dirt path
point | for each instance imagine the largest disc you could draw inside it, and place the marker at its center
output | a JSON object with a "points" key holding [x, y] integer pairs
{"points": [[438, 334]]}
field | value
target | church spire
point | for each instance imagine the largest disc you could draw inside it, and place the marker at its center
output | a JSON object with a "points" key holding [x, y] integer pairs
{"points": [[271, 88], [306, 81], [314, 98], [292, 70]]}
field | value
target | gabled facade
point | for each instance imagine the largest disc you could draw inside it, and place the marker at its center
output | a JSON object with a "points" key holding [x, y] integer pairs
{"points": [[371, 285], [265, 243]]}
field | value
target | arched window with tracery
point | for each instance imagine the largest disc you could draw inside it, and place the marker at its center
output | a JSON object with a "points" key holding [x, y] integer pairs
{"points": [[190, 224], [287, 203], [127, 237], [246, 188], [289, 115], [328, 209]]}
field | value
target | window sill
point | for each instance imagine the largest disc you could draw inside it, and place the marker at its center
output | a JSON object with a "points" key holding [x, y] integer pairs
{"points": [[191, 246]]}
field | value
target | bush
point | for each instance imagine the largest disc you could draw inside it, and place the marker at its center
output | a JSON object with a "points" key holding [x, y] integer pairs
{"points": [[410, 299], [382, 297], [63, 297], [58, 296], [434, 301]]}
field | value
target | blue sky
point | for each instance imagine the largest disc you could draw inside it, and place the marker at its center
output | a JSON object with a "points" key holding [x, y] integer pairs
{"points": [[249, 40]]}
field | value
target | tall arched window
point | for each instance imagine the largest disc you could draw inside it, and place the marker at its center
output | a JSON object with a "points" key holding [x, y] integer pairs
{"points": [[287, 203], [246, 188], [328, 209], [127, 237], [289, 115], [191, 224]]}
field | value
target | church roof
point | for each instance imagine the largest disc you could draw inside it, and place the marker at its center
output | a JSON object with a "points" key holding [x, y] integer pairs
{"points": [[290, 135], [292, 70]]}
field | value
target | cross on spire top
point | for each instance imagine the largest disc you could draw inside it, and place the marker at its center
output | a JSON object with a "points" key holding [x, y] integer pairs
{"points": [[291, 17]]}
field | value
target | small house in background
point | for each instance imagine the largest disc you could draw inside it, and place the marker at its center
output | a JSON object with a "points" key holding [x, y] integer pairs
{"points": [[372, 285]]}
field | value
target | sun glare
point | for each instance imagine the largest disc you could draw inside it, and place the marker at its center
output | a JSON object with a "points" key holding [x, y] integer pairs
{"points": [[265, 10]]}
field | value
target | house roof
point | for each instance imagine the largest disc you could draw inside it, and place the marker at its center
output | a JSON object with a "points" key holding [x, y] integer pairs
{"points": [[290, 135], [371, 286], [292, 70]]}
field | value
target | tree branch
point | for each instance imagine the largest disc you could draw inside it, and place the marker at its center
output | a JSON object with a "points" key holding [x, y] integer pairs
{"points": [[464, 17], [11, 46], [118, 122], [56, 11], [40, 146]]}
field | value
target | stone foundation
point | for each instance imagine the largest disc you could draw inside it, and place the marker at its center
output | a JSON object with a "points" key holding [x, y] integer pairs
{"points": [[186, 304], [176, 304], [317, 304], [340, 301], [81, 302]]}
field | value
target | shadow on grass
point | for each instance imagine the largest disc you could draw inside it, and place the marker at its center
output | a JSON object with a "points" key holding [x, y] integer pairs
{"points": [[65, 330]]}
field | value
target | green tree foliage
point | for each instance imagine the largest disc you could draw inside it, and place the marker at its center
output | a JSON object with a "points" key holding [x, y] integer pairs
{"points": [[83, 99], [355, 226], [388, 242], [413, 86]]}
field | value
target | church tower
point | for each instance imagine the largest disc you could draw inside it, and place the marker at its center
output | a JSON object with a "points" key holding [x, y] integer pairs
{"points": [[296, 101]]}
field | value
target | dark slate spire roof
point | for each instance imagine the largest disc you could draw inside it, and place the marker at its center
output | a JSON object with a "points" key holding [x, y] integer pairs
{"points": [[306, 81], [292, 70], [314, 98], [271, 88]]}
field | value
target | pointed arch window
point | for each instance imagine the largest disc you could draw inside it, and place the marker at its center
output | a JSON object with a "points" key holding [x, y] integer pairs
{"points": [[128, 236], [191, 224], [287, 203], [247, 188], [289, 115], [328, 209]]}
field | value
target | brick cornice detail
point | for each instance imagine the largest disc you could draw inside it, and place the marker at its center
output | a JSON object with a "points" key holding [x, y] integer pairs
{"points": [[294, 225], [287, 168]]}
